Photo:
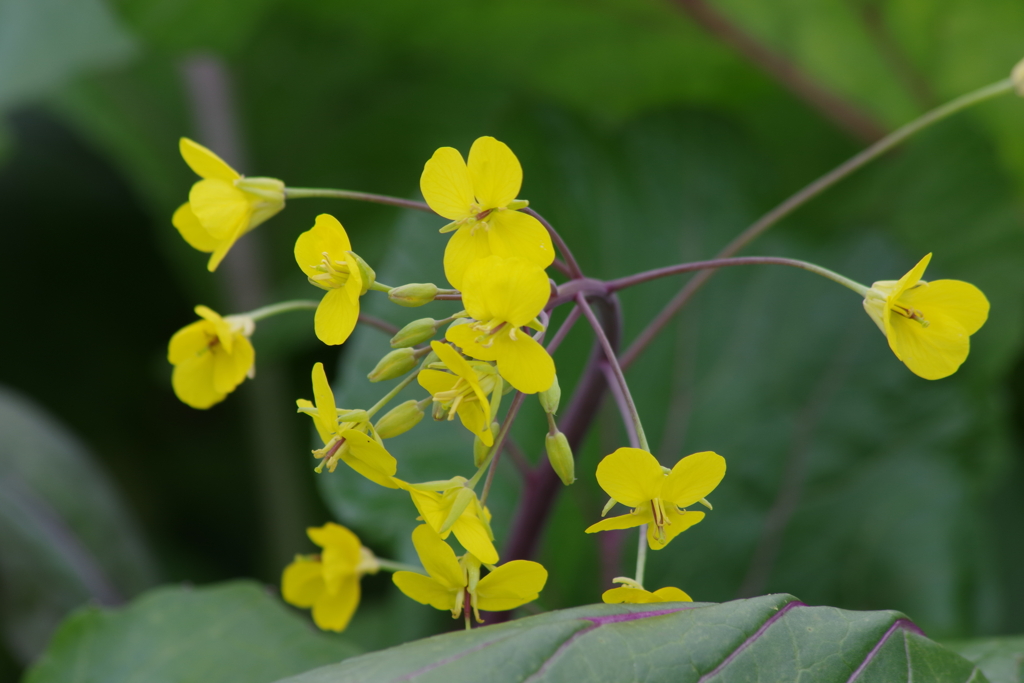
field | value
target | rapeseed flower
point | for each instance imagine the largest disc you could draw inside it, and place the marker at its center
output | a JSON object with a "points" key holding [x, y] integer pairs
{"points": [[454, 584], [502, 295], [633, 477], [928, 324], [452, 507], [471, 390], [329, 582], [480, 199], [633, 593], [325, 255], [211, 357], [224, 205]]}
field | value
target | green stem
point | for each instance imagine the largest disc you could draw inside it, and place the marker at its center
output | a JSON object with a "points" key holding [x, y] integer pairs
{"points": [[283, 307], [304, 192], [641, 556], [499, 442], [391, 394], [392, 566]]}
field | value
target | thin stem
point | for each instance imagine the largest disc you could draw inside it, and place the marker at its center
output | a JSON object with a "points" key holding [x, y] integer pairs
{"points": [[469, 622], [283, 307], [392, 566], [391, 394], [620, 402], [641, 555], [563, 331], [496, 449], [613, 362], [806, 194], [303, 192], [647, 276], [382, 325], [518, 457], [570, 261]]}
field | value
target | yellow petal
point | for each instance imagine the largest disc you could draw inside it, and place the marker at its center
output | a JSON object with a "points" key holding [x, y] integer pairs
{"points": [[472, 534], [224, 246], [524, 363], [436, 381], [961, 301], [336, 317], [369, 471], [464, 336], [693, 478], [507, 289], [635, 596], [464, 248], [302, 582], [354, 285], [457, 364], [445, 184], [365, 448], [495, 171], [431, 506], [438, 558], [333, 535], [511, 585], [333, 611], [514, 233], [231, 369], [324, 398], [911, 279], [192, 382], [205, 163], [190, 341], [425, 590], [192, 230], [326, 235], [931, 352], [631, 476], [622, 521], [472, 417], [220, 207], [671, 594], [677, 523]]}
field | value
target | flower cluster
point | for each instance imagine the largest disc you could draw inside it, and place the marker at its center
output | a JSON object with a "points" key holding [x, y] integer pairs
{"points": [[496, 262]]}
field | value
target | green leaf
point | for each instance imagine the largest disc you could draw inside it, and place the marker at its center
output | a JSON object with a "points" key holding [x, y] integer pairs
{"points": [[228, 632], [43, 43], [65, 535], [771, 638], [1000, 659]]}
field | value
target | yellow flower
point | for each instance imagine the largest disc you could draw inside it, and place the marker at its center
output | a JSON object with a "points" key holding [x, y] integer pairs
{"points": [[634, 478], [224, 205], [503, 295], [633, 593], [465, 392], [211, 357], [329, 582], [344, 433], [928, 324], [477, 198], [451, 583], [450, 506], [325, 255]]}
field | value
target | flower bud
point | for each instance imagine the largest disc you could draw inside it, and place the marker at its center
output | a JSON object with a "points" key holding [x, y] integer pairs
{"points": [[480, 449], [560, 457], [399, 419], [517, 204], [1017, 76], [352, 415], [394, 364], [415, 332], [550, 397], [413, 294]]}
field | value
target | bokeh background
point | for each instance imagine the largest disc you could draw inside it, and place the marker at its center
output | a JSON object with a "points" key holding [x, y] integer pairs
{"points": [[650, 131]]}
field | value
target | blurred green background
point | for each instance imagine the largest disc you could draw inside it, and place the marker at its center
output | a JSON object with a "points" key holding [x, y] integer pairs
{"points": [[650, 132]]}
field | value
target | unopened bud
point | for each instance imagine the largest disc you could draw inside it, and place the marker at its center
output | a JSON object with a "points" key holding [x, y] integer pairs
{"points": [[352, 415], [395, 364], [517, 204], [1017, 76], [399, 419], [560, 457], [415, 332], [480, 449], [413, 294], [550, 397]]}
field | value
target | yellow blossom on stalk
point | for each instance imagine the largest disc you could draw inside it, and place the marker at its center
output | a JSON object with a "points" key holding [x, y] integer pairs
{"points": [[480, 199], [503, 295], [464, 390], [345, 437], [224, 205], [634, 478], [452, 507], [633, 593], [928, 324], [211, 357], [329, 582], [454, 584]]}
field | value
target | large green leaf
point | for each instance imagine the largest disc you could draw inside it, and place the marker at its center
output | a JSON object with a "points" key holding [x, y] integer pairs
{"points": [[229, 632], [65, 535], [772, 638], [1000, 659]]}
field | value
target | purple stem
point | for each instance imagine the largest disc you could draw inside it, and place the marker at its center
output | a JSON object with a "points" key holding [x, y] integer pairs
{"points": [[570, 320], [648, 275], [620, 402]]}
